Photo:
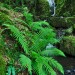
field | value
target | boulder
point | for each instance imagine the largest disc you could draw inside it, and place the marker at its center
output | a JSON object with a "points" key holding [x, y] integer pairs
{"points": [[67, 45], [62, 22]]}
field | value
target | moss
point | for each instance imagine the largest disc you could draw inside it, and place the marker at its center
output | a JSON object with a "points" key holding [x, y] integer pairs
{"points": [[2, 66], [68, 45], [60, 22], [4, 18], [65, 8], [43, 8]]}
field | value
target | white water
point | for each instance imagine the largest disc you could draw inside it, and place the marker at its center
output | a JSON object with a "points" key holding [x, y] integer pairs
{"points": [[52, 5], [49, 46]]}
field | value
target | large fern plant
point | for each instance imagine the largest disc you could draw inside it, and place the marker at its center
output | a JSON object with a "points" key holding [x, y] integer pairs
{"points": [[36, 57]]}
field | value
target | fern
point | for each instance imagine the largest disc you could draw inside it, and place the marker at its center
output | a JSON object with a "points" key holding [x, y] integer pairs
{"points": [[56, 65], [36, 58], [43, 65], [52, 52], [26, 63], [18, 35], [28, 16]]}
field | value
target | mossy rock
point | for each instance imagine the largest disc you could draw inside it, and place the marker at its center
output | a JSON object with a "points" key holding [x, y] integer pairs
{"points": [[43, 8], [65, 8], [64, 22], [68, 45], [69, 31]]}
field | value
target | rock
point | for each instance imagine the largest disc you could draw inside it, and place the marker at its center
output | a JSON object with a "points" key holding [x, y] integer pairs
{"points": [[43, 8], [62, 22], [59, 22], [68, 72], [69, 31], [65, 8], [67, 45]]}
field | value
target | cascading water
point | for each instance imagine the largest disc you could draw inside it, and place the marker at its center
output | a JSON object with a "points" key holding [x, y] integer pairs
{"points": [[52, 6]]}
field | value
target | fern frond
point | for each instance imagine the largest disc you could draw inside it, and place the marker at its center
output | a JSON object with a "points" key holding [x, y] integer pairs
{"points": [[52, 52], [38, 68], [19, 37], [24, 24], [26, 63], [56, 65], [40, 23], [42, 67], [49, 69], [28, 16], [21, 21]]}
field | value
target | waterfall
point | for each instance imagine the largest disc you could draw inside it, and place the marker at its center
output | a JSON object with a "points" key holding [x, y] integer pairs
{"points": [[52, 6]]}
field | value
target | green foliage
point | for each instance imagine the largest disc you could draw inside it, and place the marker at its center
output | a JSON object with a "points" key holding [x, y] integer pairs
{"points": [[26, 63], [11, 70], [68, 43], [46, 65], [52, 52], [65, 8], [60, 4], [1, 42], [28, 16], [43, 7], [4, 18], [2, 65], [33, 39], [18, 36]]}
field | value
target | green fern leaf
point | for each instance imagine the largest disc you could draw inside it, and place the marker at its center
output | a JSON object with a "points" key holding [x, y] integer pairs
{"points": [[28, 16], [52, 52], [21, 21], [40, 23], [18, 36], [26, 63], [57, 65], [48, 67], [38, 68]]}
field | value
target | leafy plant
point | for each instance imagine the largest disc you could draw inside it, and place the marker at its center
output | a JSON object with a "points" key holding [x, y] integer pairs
{"points": [[36, 57], [11, 70]]}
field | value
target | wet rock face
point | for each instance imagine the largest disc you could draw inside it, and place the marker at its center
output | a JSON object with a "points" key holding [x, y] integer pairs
{"points": [[67, 45]]}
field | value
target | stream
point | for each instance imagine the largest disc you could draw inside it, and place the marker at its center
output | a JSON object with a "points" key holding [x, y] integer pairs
{"points": [[67, 62]]}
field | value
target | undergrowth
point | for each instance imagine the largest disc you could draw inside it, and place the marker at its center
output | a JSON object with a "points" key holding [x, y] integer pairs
{"points": [[33, 38]]}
